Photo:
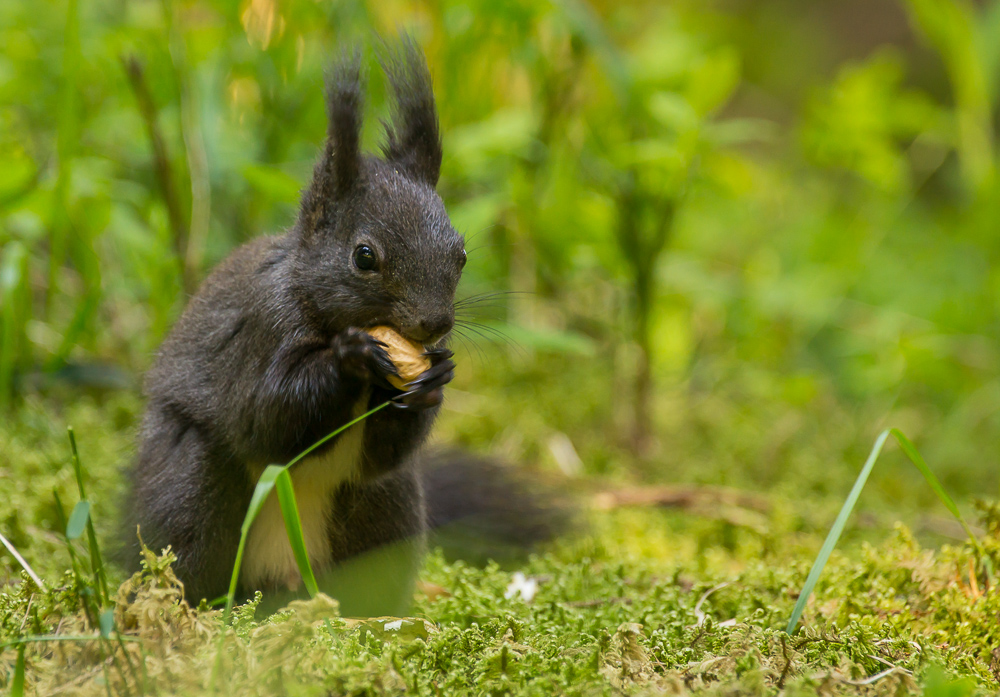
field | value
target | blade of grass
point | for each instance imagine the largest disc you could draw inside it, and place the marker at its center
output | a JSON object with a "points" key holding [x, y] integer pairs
{"points": [[78, 520], [293, 526], [17, 682], [67, 138], [949, 503], [260, 493], [107, 623], [96, 561], [835, 532], [48, 638], [340, 430], [24, 565], [838, 526], [14, 304], [75, 562]]}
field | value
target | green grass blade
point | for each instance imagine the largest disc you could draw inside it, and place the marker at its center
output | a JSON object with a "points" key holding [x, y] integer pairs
{"points": [[77, 467], [260, 493], [14, 280], [838, 526], [50, 638], [67, 140], [107, 623], [293, 526], [17, 681], [78, 520], [24, 565], [949, 503], [62, 523], [86, 592], [336, 433], [835, 533], [96, 560]]}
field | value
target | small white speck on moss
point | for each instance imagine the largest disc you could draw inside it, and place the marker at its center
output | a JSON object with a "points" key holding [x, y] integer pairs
{"points": [[523, 586]]}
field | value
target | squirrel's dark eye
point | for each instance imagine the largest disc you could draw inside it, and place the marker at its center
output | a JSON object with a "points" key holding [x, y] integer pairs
{"points": [[465, 258], [364, 258]]}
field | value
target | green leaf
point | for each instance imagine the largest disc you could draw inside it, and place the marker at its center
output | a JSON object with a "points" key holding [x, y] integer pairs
{"points": [[672, 111], [78, 520], [293, 525], [107, 622]]}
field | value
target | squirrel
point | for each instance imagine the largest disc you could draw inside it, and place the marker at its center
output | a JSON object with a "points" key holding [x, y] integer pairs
{"points": [[271, 354]]}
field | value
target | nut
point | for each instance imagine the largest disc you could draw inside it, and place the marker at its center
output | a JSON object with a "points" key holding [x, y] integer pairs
{"points": [[405, 355]]}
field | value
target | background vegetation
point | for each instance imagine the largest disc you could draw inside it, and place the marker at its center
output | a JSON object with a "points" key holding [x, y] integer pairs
{"points": [[741, 237]]}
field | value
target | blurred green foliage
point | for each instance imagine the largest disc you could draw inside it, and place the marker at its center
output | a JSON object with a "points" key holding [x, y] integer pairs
{"points": [[742, 237], [728, 225]]}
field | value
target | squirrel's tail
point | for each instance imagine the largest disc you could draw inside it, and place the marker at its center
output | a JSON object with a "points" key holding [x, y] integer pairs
{"points": [[479, 509]]}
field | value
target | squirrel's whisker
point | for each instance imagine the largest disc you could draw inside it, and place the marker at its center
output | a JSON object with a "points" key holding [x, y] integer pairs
{"points": [[491, 334], [474, 349], [478, 232], [482, 297]]}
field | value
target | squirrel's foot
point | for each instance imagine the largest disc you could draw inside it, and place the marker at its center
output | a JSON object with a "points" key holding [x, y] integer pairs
{"points": [[360, 354], [428, 390]]}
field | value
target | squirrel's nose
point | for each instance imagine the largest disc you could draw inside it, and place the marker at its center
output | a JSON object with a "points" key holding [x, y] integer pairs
{"points": [[430, 329]]}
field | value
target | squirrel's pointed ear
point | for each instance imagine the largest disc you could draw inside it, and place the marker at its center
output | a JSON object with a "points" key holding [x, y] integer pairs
{"points": [[339, 169], [413, 141]]}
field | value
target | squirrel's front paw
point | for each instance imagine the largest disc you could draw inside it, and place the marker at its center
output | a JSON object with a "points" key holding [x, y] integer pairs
{"points": [[360, 354], [428, 390]]}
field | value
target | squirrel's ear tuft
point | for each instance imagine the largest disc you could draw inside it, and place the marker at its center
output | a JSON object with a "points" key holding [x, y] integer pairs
{"points": [[413, 141], [339, 169]]}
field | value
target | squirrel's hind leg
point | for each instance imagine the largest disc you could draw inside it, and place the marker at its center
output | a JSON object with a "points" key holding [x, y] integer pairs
{"points": [[189, 496], [378, 541]]}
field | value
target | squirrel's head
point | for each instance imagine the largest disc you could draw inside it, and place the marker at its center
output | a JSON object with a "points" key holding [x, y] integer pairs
{"points": [[375, 243]]}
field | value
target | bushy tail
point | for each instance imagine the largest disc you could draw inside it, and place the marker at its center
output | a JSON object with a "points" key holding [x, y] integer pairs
{"points": [[479, 509]]}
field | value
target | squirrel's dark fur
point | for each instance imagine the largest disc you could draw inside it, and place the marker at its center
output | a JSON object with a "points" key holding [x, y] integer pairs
{"points": [[270, 355]]}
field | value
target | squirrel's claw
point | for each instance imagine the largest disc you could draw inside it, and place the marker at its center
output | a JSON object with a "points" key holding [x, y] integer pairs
{"points": [[428, 390], [362, 355], [436, 355]]}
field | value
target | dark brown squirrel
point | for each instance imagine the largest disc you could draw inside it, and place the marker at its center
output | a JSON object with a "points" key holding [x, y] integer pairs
{"points": [[271, 355]]}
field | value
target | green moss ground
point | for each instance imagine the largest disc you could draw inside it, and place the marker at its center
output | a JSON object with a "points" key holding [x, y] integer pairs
{"points": [[625, 604], [605, 620]]}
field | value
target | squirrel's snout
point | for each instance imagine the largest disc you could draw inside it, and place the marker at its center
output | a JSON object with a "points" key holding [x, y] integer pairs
{"points": [[430, 329]]}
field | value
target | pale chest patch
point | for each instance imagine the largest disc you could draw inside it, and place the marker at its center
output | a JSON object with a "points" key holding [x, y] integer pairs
{"points": [[268, 558]]}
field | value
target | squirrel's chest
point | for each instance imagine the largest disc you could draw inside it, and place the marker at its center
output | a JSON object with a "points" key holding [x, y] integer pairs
{"points": [[268, 560]]}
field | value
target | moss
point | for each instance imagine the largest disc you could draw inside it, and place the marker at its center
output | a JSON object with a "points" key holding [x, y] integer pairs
{"points": [[596, 626], [640, 601]]}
